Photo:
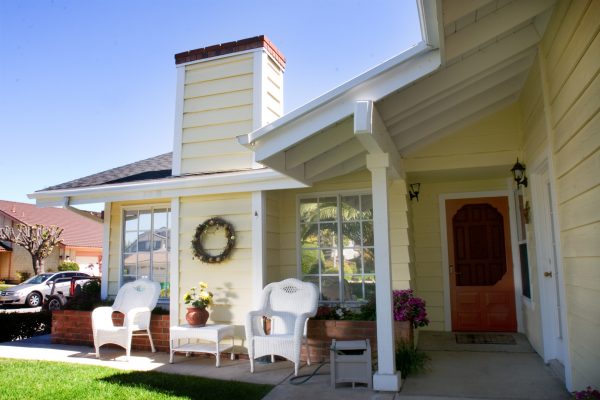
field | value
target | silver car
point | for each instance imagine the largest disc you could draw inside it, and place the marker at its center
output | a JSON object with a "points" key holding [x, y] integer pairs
{"points": [[33, 291]]}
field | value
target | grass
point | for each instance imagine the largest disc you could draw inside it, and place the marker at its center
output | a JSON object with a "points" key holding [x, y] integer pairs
{"points": [[5, 286], [20, 379]]}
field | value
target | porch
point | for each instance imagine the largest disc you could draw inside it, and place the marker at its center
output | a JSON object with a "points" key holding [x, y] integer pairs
{"points": [[455, 373]]}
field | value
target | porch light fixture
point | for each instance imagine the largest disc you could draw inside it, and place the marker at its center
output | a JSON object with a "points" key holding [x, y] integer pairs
{"points": [[414, 191], [518, 171]]}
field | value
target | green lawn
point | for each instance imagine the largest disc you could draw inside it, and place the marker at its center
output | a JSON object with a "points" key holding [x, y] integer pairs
{"points": [[41, 380], [4, 287]]}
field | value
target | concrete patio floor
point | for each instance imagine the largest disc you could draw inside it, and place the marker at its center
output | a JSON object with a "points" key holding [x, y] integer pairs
{"points": [[455, 371]]}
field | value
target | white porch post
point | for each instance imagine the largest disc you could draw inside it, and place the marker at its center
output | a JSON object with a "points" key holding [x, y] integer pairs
{"points": [[386, 378], [105, 252], [259, 243], [174, 296]]}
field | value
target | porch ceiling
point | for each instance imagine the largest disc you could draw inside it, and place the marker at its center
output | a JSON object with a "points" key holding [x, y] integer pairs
{"points": [[486, 48]]}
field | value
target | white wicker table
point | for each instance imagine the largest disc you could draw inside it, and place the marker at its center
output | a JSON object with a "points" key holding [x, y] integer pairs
{"points": [[213, 333]]}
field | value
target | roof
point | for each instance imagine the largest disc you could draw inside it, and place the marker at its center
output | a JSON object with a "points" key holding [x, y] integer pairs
{"points": [[485, 50], [151, 168], [79, 231]]}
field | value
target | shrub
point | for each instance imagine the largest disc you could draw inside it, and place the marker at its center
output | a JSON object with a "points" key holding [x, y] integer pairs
{"points": [[68, 266], [410, 360], [87, 298], [22, 276], [17, 326]]}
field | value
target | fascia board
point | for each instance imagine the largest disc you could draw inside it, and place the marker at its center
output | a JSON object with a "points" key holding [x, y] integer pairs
{"points": [[217, 183], [335, 93]]}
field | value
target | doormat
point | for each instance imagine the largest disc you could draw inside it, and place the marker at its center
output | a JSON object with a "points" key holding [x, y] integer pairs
{"points": [[484, 338]]}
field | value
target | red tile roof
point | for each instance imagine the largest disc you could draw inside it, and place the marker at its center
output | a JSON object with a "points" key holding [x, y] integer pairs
{"points": [[79, 231]]}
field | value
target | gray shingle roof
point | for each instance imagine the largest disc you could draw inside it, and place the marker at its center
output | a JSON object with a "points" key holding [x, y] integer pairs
{"points": [[150, 168]]}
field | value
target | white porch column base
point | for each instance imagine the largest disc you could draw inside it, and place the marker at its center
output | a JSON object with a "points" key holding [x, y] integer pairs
{"points": [[386, 378], [387, 382]]}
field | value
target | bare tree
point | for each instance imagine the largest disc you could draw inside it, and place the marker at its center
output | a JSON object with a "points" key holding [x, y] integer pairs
{"points": [[38, 240]]}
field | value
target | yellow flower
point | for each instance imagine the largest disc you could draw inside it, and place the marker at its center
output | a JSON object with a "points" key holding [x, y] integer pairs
{"points": [[204, 295], [203, 285]]}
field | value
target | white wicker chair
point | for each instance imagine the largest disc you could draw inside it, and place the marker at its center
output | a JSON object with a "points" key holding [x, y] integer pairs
{"points": [[136, 301], [288, 304]]}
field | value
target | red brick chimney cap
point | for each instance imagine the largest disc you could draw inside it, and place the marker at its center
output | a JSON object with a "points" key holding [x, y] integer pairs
{"points": [[230, 48]]}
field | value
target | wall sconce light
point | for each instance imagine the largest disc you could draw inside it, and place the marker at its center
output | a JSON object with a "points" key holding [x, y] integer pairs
{"points": [[518, 171], [414, 191]]}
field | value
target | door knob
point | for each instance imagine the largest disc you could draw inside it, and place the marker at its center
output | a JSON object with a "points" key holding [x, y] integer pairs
{"points": [[548, 274]]}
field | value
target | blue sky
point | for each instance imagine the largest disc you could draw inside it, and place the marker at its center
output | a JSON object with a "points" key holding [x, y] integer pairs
{"points": [[90, 85]]}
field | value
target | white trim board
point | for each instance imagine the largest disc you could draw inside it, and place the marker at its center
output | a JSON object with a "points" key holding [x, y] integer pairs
{"points": [[105, 252], [178, 128], [174, 267], [444, 246]]}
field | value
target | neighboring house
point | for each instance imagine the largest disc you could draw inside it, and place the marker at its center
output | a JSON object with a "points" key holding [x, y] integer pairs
{"points": [[321, 193], [81, 238]]}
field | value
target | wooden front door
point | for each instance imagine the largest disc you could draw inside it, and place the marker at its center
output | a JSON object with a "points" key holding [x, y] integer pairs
{"points": [[482, 290]]}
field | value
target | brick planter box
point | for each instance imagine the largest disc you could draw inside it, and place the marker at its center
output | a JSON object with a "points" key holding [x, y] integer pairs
{"points": [[320, 333], [75, 327]]}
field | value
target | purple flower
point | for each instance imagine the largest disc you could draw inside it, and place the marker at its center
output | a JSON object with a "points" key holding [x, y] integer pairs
{"points": [[407, 307]]}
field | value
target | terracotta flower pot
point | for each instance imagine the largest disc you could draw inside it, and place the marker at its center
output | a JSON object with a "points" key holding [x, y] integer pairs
{"points": [[196, 316]]}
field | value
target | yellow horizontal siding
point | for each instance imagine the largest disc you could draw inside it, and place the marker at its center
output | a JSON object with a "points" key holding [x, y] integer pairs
{"points": [[215, 70], [217, 101], [218, 162], [214, 132], [217, 117], [231, 280], [211, 148], [233, 84], [571, 57], [588, 28]]}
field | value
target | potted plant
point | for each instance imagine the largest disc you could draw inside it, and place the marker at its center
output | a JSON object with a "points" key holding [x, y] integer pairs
{"points": [[410, 314], [198, 298]]}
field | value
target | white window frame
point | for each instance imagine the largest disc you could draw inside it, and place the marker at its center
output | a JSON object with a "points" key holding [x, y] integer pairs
{"points": [[143, 207], [338, 194]]}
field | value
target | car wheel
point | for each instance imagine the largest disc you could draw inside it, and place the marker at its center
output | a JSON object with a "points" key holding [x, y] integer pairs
{"points": [[34, 299], [54, 304]]}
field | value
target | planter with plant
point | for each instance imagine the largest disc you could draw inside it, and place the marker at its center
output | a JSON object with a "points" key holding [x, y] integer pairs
{"points": [[198, 298]]}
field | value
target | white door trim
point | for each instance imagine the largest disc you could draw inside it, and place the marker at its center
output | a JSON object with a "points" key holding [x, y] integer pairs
{"points": [[539, 208], [444, 245]]}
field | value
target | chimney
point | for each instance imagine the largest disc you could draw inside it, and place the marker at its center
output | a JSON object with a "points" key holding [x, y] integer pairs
{"points": [[224, 91]]}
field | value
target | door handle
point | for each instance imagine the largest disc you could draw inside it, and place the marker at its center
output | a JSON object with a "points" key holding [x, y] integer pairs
{"points": [[548, 274]]}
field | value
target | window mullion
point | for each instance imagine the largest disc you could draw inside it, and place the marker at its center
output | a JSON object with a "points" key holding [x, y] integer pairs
{"points": [[340, 248]]}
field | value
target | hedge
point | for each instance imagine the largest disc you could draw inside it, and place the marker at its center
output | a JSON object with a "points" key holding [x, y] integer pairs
{"points": [[17, 326]]}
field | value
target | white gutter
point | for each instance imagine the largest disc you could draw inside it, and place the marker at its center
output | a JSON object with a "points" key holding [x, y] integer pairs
{"points": [[420, 48], [227, 182]]}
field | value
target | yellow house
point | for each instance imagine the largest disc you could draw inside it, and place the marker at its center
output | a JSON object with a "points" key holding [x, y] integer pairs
{"points": [[414, 157]]}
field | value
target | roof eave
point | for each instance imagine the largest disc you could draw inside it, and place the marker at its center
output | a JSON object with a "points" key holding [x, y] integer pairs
{"points": [[430, 16], [260, 179]]}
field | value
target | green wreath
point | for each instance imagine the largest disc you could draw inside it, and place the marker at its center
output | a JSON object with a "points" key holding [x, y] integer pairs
{"points": [[198, 247]]}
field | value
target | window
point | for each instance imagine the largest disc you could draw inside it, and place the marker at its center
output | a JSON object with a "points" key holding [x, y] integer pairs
{"points": [[337, 247], [146, 246], [522, 240]]}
